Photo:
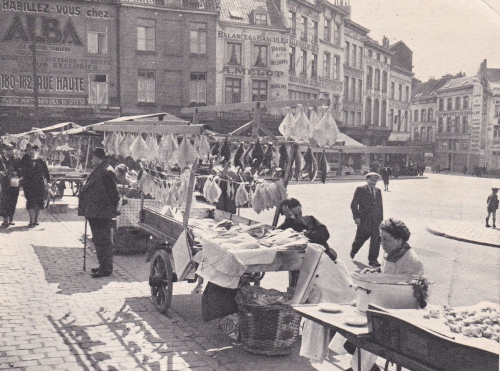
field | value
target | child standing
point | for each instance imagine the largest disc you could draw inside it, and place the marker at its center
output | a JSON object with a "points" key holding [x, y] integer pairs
{"points": [[492, 203]]}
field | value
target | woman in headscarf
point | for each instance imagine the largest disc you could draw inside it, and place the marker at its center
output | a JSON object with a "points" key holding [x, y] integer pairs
{"points": [[35, 178]]}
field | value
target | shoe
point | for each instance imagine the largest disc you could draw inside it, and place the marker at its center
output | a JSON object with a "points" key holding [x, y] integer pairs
{"points": [[100, 273], [12, 223], [374, 264], [36, 223], [94, 270], [494, 226], [352, 255], [488, 226], [31, 225], [5, 224]]}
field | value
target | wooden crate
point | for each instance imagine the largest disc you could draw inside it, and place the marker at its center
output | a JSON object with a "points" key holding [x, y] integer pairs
{"points": [[428, 347]]}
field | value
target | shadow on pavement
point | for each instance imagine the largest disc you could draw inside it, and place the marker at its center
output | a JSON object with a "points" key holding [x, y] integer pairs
{"points": [[64, 266]]}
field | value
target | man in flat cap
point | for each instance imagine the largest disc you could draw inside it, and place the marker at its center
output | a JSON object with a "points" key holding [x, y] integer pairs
{"points": [[368, 213], [492, 203], [10, 168], [98, 202]]}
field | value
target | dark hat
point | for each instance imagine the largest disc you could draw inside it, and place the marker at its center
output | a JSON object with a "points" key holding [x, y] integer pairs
{"points": [[495, 188], [372, 173], [35, 147], [99, 152]]}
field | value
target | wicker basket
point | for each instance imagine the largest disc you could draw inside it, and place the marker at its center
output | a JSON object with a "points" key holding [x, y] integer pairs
{"points": [[269, 330]]}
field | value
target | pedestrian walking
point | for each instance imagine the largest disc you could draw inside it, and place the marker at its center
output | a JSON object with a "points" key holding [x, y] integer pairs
{"points": [[9, 184], [492, 203], [35, 179], [385, 172], [367, 211], [98, 202]]}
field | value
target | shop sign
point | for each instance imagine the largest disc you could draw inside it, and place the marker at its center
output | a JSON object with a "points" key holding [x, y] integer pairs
{"points": [[43, 101], [304, 81], [247, 116], [304, 45], [257, 38], [252, 71]]}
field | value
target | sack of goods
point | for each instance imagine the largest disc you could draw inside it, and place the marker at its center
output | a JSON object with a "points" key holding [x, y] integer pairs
{"points": [[268, 326]]}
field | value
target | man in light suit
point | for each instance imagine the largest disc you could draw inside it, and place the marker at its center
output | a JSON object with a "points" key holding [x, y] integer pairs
{"points": [[368, 213]]}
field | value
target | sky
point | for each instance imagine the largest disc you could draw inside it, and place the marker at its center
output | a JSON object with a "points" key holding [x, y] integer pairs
{"points": [[446, 36]]}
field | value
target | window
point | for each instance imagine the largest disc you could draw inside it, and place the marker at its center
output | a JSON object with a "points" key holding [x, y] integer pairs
{"points": [[422, 134], [456, 128], [346, 117], [466, 102], [496, 131], [336, 67], [369, 78], [376, 112], [293, 23], [360, 59], [449, 104], [407, 94], [377, 79], [233, 90], [233, 54], [497, 110], [391, 118], [359, 90], [465, 124], [358, 118], [384, 82], [354, 55], [368, 111], [457, 103], [415, 134], [406, 121], [314, 65], [400, 92], [386, 60], [97, 39], [352, 120], [429, 134], [393, 87], [347, 50], [327, 34], [430, 115], [448, 124], [326, 65], [260, 55], [399, 120], [146, 91], [146, 34], [383, 113], [346, 87], [259, 90], [415, 116], [292, 59], [304, 62], [440, 125], [378, 56], [198, 37], [353, 89], [198, 88], [315, 32], [441, 105], [303, 24], [336, 33], [98, 89], [261, 19], [423, 115]]}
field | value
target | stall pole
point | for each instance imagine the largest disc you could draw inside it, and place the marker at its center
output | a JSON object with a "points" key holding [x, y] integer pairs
{"points": [[293, 154], [192, 178], [85, 246], [88, 150]]}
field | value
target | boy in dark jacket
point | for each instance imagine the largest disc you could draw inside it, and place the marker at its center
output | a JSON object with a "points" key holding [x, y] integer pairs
{"points": [[492, 203]]}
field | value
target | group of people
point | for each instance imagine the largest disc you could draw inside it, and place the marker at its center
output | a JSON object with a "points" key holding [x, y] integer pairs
{"points": [[29, 172]]}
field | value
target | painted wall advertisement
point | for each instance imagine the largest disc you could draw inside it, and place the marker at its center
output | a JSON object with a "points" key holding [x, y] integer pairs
{"points": [[57, 35]]}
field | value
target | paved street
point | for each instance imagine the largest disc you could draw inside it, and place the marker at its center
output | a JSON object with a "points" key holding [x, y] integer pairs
{"points": [[56, 317]]}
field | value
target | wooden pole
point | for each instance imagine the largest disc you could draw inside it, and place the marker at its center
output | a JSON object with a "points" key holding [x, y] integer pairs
{"points": [[293, 154], [88, 150], [192, 178]]}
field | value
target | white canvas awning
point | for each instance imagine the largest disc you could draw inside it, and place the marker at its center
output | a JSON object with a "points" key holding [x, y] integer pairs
{"points": [[62, 125]]}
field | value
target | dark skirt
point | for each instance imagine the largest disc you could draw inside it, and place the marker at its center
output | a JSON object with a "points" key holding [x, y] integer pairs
{"points": [[32, 203]]}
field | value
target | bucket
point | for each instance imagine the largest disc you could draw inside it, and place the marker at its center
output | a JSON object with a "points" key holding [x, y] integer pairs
{"points": [[391, 291]]}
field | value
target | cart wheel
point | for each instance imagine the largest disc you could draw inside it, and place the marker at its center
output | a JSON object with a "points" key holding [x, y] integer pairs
{"points": [[161, 280]]}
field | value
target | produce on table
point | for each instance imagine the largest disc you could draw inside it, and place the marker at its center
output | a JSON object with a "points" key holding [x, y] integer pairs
{"points": [[300, 128], [483, 322], [241, 197], [285, 127]]}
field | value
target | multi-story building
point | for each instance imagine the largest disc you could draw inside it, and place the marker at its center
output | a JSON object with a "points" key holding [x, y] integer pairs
{"points": [[167, 55], [490, 79], [376, 98], [331, 55], [354, 89], [400, 92], [461, 133], [59, 63]]}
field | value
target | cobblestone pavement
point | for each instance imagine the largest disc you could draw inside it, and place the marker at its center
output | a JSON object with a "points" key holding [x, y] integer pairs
{"points": [[466, 231], [55, 317]]}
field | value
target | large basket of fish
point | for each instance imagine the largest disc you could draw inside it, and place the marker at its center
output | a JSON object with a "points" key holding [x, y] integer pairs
{"points": [[268, 326]]}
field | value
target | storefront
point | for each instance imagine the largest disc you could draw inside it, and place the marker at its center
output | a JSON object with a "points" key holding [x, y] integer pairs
{"points": [[75, 75]]}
